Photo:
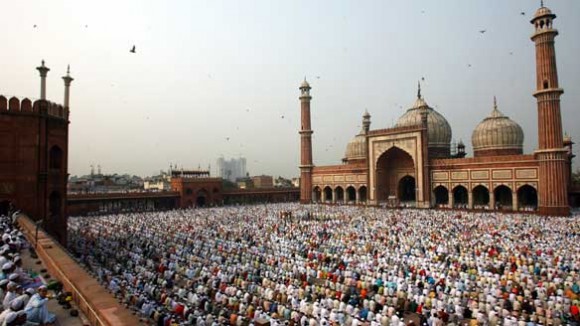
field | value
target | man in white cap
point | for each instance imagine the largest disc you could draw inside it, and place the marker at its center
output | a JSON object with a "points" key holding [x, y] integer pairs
{"points": [[37, 310], [26, 295], [10, 295], [15, 306]]}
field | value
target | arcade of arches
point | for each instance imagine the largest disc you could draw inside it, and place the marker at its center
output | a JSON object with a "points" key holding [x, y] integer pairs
{"points": [[502, 197], [347, 194]]}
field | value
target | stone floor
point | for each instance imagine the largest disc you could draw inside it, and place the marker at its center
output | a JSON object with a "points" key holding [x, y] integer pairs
{"points": [[63, 316]]}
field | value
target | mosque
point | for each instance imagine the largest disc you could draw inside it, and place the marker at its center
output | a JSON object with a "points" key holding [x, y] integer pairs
{"points": [[413, 163]]}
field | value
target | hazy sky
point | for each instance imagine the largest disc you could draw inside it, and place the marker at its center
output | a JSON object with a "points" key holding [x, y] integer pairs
{"points": [[206, 71]]}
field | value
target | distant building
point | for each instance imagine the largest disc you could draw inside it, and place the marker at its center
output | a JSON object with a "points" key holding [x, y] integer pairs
{"points": [[263, 181], [158, 183], [196, 188], [231, 169]]}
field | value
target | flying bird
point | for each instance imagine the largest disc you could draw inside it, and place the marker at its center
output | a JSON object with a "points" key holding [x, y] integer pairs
{"points": [[469, 65], [34, 26], [522, 13], [511, 53], [228, 138], [483, 31], [317, 77], [132, 49], [282, 117], [422, 78]]}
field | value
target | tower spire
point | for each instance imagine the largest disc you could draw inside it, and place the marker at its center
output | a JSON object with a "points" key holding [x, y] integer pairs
{"points": [[43, 70], [67, 80], [419, 89]]}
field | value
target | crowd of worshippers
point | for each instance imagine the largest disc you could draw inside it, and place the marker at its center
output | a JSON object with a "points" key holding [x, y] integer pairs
{"points": [[20, 302], [309, 265]]}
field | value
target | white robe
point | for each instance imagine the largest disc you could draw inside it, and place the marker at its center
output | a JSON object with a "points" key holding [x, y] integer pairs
{"points": [[37, 311]]}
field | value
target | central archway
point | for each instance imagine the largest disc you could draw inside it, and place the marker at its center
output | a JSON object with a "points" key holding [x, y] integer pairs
{"points": [[393, 168], [407, 189], [201, 199]]}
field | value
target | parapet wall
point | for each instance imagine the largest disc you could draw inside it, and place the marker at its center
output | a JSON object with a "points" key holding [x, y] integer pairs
{"points": [[26, 106], [98, 305]]}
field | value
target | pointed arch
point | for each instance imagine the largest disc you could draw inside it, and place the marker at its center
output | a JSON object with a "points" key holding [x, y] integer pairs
{"points": [[391, 167], [441, 195], [480, 197], [503, 197], [350, 194], [460, 197], [527, 198]]}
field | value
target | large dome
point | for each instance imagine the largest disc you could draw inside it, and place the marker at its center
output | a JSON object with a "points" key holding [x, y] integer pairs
{"points": [[497, 135], [356, 149], [439, 131]]}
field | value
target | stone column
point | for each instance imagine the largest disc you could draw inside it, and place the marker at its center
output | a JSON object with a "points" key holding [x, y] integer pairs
{"points": [[357, 196], [515, 201], [43, 70], [450, 199], [491, 200], [470, 199]]}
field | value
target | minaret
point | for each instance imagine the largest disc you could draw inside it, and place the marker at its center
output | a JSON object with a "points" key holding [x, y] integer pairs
{"points": [[366, 122], [305, 145], [67, 80], [551, 154], [43, 71]]}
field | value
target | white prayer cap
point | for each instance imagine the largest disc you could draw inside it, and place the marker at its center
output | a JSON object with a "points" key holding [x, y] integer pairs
{"points": [[16, 304], [7, 265]]}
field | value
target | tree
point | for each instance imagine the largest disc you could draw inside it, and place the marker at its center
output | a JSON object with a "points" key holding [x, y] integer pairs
{"points": [[576, 177]]}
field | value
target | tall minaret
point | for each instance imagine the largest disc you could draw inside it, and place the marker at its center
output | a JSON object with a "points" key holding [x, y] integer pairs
{"points": [[366, 122], [43, 70], [305, 145], [67, 80], [551, 154]]}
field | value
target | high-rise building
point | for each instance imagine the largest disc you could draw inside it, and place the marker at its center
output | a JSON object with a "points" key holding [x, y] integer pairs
{"points": [[231, 169]]}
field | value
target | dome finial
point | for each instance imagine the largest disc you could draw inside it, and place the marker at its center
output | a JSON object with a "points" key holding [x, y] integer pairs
{"points": [[494, 103], [542, 3], [418, 89]]}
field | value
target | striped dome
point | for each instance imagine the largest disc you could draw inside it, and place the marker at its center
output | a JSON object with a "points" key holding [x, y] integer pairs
{"points": [[439, 130], [497, 132]]}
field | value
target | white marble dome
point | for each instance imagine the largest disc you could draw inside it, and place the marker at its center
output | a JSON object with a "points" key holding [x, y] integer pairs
{"points": [[356, 149], [497, 132], [439, 130]]}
